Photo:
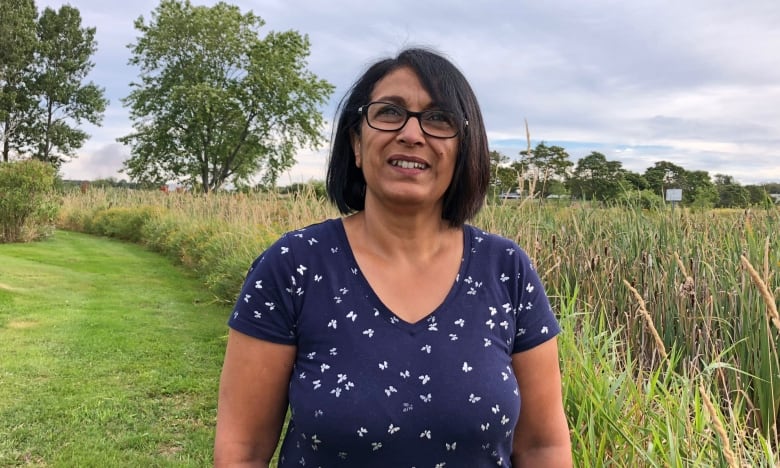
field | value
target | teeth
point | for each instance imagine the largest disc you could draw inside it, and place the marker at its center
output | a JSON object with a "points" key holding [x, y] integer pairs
{"points": [[408, 164]]}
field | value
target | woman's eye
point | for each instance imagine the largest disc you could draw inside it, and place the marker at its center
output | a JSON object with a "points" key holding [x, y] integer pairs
{"points": [[390, 111], [438, 117]]}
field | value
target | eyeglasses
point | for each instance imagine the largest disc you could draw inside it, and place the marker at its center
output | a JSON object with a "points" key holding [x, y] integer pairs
{"points": [[389, 117]]}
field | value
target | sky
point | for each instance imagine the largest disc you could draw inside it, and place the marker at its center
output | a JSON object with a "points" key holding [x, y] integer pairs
{"points": [[694, 82]]}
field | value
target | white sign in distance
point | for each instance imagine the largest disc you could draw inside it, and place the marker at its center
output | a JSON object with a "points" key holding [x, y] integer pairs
{"points": [[673, 194]]}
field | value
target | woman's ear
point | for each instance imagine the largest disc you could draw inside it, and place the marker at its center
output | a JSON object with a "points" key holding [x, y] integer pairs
{"points": [[356, 148]]}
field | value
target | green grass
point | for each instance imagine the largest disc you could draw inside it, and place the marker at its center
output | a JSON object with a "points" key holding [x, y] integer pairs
{"points": [[110, 356]]}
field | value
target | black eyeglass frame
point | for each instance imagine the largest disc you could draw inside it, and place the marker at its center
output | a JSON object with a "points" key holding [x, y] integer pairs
{"points": [[409, 115]]}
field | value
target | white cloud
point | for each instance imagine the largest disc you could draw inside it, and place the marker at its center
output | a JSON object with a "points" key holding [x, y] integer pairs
{"points": [[691, 82]]}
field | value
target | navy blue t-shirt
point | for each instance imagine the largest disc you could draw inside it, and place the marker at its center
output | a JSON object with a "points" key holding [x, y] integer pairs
{"points": [[369, 389]]}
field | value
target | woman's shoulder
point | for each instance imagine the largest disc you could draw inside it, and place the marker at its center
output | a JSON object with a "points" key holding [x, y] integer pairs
{"points": [[315, 233], [312, 237], [489, 239]]}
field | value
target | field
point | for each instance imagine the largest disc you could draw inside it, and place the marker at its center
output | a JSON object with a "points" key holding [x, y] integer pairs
{"points": [[669, 351], [110, 356]]}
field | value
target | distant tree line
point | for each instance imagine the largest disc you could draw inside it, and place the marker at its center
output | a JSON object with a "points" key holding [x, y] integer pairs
{"points": [[548, 170]]}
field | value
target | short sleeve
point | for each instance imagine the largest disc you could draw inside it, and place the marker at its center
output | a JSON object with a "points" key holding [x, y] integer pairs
{"points": [[265, 308], [535, 322]]}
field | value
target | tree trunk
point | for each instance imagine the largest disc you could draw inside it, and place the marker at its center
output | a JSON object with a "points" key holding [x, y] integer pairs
{"points": [[6, 143]]}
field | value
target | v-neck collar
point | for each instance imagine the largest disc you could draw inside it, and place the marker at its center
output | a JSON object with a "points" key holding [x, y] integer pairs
{"points": [[381, 310]]}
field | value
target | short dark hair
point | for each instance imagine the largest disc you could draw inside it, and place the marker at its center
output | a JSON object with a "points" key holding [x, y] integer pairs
{"points": [[446, 85]]}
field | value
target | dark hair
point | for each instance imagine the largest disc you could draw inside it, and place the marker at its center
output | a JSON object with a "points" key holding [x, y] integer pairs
{"points": [[446, 85]]}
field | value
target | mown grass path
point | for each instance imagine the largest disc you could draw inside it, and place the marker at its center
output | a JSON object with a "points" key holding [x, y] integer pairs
{"points": [[109, 356]]}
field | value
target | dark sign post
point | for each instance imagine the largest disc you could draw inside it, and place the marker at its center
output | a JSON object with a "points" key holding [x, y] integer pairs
{"points": [[674, 196]]}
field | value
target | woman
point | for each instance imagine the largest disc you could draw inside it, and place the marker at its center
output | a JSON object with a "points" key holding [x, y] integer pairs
{"points": [[399, 335]]}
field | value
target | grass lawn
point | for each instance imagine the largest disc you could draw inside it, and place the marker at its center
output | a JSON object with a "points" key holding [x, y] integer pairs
{"points": [[109, 356]]}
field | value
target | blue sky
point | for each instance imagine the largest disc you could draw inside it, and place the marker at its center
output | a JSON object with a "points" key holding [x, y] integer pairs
{"points": [[695, 82]]}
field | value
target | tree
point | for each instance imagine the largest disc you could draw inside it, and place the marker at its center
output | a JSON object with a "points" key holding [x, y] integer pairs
{"points": [[663, 175], [546, 163], [698, 189], [503, 178], [636, 181], [596, 178], [730, 193], [17, 36], [43, 96], [758, 196], [64, 62], [216, 103]]}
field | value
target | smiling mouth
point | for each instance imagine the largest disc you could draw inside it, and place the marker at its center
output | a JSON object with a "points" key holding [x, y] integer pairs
{"points": [[408, 164]]}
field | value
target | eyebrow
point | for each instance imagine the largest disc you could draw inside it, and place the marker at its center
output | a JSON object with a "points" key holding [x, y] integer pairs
{"points": [[398, 100]]}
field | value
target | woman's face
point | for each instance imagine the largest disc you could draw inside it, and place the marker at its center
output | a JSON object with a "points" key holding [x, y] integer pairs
{"points": [[405, 167]]}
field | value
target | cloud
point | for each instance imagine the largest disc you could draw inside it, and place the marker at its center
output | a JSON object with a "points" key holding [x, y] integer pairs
{"points": [[97, 163], [694, 82]]}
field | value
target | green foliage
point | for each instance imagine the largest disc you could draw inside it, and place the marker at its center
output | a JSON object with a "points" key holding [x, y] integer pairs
{"points": [[44, 97], [503, 178], [28, 200], [596, 178], [546, 163], [65, 51], [640, 199], [314, 188], [17, 36], [704, 197], [216, 103], [124, 223], [733, 196]]}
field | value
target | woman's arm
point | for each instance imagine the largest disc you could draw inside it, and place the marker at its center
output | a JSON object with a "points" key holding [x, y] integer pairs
{"points": [[252, 400], [542, 433]]}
